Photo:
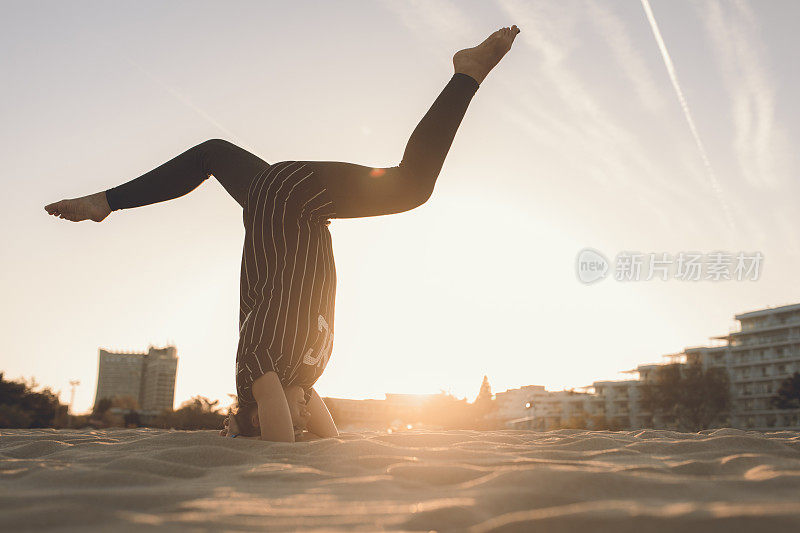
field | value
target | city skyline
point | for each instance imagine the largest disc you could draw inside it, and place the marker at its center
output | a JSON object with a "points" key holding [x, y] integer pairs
{"points": [[586, 136], [748, 411]]}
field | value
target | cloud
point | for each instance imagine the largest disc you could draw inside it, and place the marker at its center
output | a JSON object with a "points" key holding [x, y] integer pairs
{"points": [[760, 143], [673, 76], [178, 95], [627, 55], [565, 118], [574, 127], [436, 20]]}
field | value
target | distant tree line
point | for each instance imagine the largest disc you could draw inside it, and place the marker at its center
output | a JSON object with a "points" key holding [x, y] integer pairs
{"points": [[689, 396], [23, 406], [788, 394], [197, 413]]}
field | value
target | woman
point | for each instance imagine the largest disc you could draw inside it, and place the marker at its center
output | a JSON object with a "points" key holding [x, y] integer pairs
{"points": [[288, 277]]}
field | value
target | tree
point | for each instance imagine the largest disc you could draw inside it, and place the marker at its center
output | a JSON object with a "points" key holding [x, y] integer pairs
{"points": [[102, 416], [788, 394], [129, 407], [22, 406], [13, 416], [100, 408], [483, 404], [126, 403], [448, 412], [695, 397], [131, 419], [197, 413], [483, 401]]}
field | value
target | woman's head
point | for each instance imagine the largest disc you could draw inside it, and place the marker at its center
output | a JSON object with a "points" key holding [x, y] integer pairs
{"points": [[247, 420]]}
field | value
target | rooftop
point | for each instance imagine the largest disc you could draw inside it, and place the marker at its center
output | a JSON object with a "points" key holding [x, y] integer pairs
{"points": [[769, 311]]}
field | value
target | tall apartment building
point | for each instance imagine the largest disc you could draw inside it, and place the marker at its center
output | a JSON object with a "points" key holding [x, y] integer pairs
{"points": [[762, 353], [147, 377], [758, 355]]}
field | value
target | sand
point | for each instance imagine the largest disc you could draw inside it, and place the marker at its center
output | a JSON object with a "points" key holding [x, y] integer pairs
{"points": [[558, 481]]}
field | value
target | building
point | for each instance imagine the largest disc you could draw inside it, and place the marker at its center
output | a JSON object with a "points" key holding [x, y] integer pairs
{"points": [[148, 378], [396, 410], [762, 353], [559, 409], [360, 414], [618, 404], [516, 404], [606, 404], [758, 356]]}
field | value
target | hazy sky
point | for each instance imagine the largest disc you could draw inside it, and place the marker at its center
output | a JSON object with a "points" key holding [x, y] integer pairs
{"points": [[578, 139]]}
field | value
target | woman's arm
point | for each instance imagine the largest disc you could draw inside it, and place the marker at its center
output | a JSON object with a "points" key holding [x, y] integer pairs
{"points": [[320, 421], [274, 417]]}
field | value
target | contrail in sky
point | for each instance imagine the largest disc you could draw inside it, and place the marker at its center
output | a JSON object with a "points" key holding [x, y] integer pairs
{"points": [[673, 76], [188, 103]]}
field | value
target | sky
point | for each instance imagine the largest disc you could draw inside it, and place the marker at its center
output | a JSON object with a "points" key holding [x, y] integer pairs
{"points": [[606, 127]]}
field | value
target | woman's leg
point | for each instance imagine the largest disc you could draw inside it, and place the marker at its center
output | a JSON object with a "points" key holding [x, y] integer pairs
{"points": [[359, 191], [233, 167]]}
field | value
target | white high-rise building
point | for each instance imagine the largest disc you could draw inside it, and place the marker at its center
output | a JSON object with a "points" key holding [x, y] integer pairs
{"points": [[146, 377], [760, 355]]}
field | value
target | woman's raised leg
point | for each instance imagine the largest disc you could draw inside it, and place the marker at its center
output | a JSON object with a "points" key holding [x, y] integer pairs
{"points": [[233, 167], [360, 191]]}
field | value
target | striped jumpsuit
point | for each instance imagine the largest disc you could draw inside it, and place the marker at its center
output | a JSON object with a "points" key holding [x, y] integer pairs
{"points": [[288, 276]]}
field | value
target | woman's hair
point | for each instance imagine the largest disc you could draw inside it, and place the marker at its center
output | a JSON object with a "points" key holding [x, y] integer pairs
{"points": [[244, 419]]}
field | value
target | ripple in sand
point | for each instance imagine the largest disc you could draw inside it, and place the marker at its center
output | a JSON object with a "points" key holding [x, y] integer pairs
{"points": [[436, 474], [381, 462], [285, 472], [206, 456], [154, 466], [81, 478], [36, 449], [419, 440]]}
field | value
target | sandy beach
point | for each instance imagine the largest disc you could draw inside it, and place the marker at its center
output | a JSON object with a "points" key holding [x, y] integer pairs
{"points": [[567, 480]]}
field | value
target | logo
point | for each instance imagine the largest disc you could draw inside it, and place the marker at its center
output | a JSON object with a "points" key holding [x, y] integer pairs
{"points": [[325, 349], [591, 266]]}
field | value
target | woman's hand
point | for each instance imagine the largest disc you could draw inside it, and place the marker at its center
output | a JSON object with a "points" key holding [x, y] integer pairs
{"points": [[320, 421], [231, 427]]}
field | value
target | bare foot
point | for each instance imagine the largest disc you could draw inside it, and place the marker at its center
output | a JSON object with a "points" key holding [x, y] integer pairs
{"points": [[93, 207], [479, 60]]}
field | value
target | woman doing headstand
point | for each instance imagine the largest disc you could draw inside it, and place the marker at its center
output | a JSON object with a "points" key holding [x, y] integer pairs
{"points": [[288, 277]]}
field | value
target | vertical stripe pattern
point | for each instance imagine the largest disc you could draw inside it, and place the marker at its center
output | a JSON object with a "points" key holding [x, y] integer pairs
{"points": [[288, 280]]}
